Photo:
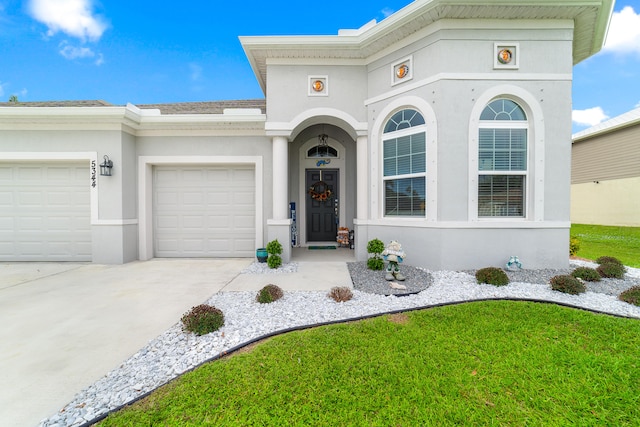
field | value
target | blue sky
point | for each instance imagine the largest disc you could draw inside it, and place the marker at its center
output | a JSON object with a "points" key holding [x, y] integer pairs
{"points": [[147, 52]]}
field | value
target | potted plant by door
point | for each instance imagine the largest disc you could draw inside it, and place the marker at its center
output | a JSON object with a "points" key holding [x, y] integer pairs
{"points": [[262, 254]]}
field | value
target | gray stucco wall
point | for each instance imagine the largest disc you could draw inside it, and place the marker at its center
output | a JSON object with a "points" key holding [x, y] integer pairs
{"points": [[453, 70], [287, 91]]}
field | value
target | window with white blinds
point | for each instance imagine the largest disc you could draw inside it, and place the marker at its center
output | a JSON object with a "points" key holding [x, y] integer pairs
{"points": [[502, 160], [405, 164]]}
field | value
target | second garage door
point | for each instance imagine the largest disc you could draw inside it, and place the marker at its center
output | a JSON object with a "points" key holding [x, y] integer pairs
{"points": [[204, 211], [45, 211]]}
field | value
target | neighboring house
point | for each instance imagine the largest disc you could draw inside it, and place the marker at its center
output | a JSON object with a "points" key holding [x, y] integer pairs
{"points": [[447, 127], [605, 172]]}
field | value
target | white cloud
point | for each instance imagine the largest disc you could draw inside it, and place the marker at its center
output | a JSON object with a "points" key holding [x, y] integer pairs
{"points": [[624, 32], [196, 72], [80, 52], [72, 17], [387, 11], [73, 52], [588, 117]]}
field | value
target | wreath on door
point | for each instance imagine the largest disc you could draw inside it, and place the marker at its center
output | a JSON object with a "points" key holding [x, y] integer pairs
{"points": [[320, 191]]}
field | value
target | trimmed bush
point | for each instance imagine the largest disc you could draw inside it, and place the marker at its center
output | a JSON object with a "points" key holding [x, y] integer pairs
{"points": [[567, 284], [202, 319], [574, 246], [269, 293], [631, 295], [274, 248], [586, 273], [274, 261], [611, 270], [492, 276], [340, 294], [375, 247], [375, 264], [608, 260]]}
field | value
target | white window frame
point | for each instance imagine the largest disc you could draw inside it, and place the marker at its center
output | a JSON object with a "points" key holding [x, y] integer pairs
{"points": [[535, 187], [505, 124], [399, 134], [528, 174]]}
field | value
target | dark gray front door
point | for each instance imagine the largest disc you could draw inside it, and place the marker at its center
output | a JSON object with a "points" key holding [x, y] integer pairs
{"points": [[322, 209]]}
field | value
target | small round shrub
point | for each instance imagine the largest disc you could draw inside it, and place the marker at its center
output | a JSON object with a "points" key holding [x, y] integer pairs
{"points": [[274, 261], [274, 247], [608, 260], [340, 294], [269, 293], [202, 319], [567, 284], [586, 273], [631, 295], [574, 245], [375, 246], [493, 276], [375, 264], [611, 270]]}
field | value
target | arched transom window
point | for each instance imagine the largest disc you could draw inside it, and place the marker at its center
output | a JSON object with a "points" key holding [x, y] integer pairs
{"points": [[405, 164], [502, 160]]}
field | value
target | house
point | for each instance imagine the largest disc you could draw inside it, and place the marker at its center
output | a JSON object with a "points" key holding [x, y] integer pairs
{"points": [[446, 126], [605, 172]]}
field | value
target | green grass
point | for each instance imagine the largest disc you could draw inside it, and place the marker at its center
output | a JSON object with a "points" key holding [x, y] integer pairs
{"points": [[485, 363], [599, 240]]}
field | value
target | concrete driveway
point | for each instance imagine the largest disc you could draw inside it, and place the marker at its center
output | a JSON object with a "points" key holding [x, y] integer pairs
{"points": [[65, 325]]}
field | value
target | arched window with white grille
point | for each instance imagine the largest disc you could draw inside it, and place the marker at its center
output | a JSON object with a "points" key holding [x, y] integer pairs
{"points": [[502, 160]]}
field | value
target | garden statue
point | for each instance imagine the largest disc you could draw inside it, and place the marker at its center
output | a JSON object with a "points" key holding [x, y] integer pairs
{"points": [[394, 255], [514, 264]]}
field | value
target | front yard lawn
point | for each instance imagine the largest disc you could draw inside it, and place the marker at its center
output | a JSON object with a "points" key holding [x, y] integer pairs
{"points": [[482, 363]]}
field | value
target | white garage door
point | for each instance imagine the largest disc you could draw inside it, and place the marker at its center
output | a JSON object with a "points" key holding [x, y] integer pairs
{"points": [[204, 211], [45, 211]]}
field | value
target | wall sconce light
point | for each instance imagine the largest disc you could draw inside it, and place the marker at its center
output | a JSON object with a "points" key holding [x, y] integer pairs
{"points": [[106, 166]]}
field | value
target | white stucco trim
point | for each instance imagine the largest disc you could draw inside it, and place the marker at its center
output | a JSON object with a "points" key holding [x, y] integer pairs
{"points": [[412, 223], [536, 141], [505, 75], [329, 116], [376, 191], [93, 169], [145, 192]]}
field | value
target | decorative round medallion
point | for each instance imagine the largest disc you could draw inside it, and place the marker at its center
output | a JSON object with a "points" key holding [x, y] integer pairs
{"points": [[505, 56], [318, 86], [402, 71]]}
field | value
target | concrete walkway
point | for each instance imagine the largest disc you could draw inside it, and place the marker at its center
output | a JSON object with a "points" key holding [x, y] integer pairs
{"points": [[65, 325]]}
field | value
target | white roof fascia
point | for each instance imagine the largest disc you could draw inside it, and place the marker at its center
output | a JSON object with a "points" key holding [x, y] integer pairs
{"points": [[357, 40], [627, 119]]}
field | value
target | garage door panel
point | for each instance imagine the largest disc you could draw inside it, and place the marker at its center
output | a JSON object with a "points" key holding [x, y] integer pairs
{"points": [[30, 173], [194, 223], [6, 199], [192, 199], [243, 222], [214, 215], [243, 245]]}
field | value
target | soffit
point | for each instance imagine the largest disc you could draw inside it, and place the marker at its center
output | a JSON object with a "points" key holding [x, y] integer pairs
{"points": [[591, 21]]}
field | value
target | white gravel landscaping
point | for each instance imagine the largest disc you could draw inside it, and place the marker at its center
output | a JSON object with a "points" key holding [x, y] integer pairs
{"points": [[175, 352]]}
